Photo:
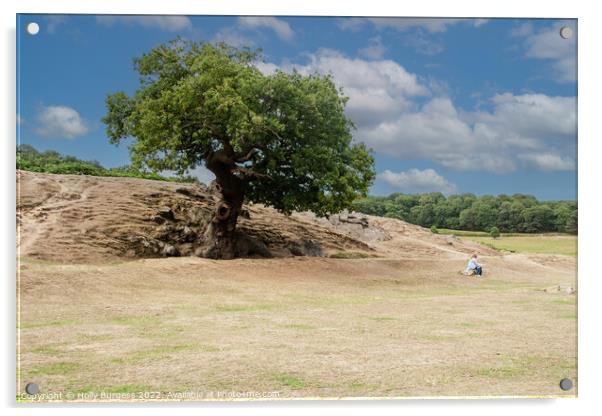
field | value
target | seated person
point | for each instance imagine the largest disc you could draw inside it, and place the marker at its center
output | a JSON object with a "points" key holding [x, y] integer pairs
{"points": [[474, 267]]}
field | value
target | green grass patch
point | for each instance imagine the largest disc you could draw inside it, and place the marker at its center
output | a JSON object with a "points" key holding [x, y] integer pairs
{"points": [[89, 338], [563, 301], [293, 382], [525, 365], [121, 388], [382, 318], [538, 244], [469, 325], [46, 350], [56, 369], [440, 338], [161, 352], [462, 233], [56, 323], [300, 327], [358, 386]]}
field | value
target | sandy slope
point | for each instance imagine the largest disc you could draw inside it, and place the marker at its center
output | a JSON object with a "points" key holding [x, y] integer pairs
{"points": [[75, 218]]}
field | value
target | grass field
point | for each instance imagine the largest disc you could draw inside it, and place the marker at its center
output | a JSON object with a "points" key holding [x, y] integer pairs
{"points": [[549, 243], [306, 327], [540, 244]]}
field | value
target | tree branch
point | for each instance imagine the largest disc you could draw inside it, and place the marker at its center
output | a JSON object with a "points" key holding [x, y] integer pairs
{"points": [[242, 159], [250, 174]]}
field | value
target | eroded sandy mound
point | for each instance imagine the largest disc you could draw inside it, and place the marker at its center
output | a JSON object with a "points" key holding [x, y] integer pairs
{"points": [[77, 218]]}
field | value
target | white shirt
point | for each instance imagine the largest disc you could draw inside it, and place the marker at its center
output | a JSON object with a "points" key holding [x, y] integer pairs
{"points": [[472, 264]]}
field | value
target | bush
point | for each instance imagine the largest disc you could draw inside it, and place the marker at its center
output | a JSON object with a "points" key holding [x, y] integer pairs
{"points": [[28, 158], [434, 229], [494, 232]]}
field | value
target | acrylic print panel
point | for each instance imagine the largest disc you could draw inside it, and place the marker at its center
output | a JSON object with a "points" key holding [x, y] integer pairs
{"points": [[220, 208]]}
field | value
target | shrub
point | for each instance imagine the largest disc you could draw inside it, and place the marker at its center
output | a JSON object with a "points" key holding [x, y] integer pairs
{"points": [[434, 229], [494, 232]]}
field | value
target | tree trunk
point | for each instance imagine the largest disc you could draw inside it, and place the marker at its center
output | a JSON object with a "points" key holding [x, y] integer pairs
{"points": [[220, 238]]}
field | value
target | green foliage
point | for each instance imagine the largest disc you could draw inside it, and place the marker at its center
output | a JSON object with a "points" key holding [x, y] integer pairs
{"points": [[434, 229], [494, 232], [508, 214], [49, 161], [284, 135]]}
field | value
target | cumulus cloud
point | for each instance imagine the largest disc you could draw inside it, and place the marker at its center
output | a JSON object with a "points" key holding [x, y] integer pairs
{"points": [[280, 27], [430, 24], [166, 23], [549, 161], [377, 90], [548, 45], [396, 113], [417, 181], [530, 130], [60, 122]]}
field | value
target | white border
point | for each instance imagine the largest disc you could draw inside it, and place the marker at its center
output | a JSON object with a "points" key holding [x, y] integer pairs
{"points": [[590, 289]]}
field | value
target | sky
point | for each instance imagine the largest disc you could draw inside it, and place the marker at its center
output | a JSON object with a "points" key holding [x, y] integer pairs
{"points": [[487, 106]]}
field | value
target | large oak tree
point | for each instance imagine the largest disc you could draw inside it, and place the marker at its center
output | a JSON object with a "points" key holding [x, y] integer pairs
{"points": [[281, 139]]}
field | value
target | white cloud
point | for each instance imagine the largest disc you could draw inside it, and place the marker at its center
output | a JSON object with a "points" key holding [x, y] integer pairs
{"points": [[422, 44], [479, 22], [233, 37], [417, 181], [280, 27], [167, 23], [60, 122], [430, 24], [377, 90], [518, 132], [375, 50], [548, 161], [547, 44], [387, 104]]}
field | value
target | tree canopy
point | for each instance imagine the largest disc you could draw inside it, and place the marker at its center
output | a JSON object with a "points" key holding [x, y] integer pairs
{"points": [[284, 136]]}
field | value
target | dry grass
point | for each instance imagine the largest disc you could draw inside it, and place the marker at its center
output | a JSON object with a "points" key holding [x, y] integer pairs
{"points": [[301, 327]]}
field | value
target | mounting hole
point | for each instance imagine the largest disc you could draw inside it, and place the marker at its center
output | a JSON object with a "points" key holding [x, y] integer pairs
{"points": [[32, 388], [566, 384], [566, 32], [33, 28]]}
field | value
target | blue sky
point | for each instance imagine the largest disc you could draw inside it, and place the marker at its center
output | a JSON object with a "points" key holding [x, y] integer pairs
{"points": [[486, 106]]}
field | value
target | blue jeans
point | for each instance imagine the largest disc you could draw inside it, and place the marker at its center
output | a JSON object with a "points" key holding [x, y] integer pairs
{"points": [[479, 271]]}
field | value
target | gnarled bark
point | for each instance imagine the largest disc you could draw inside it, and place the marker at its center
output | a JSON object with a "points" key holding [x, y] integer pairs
{"points": [[220, 236]]}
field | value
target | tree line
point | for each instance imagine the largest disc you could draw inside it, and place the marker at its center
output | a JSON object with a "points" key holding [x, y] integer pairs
{"points": [[516, 213]]}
